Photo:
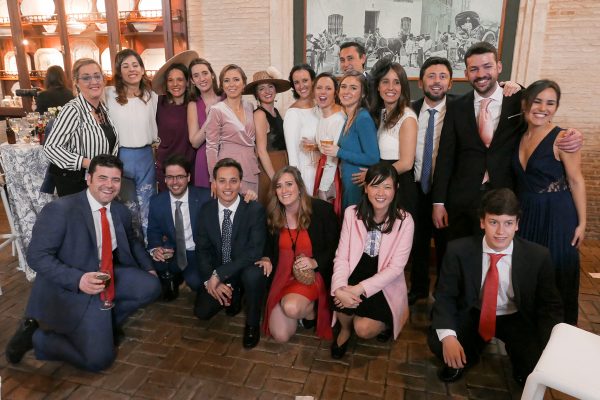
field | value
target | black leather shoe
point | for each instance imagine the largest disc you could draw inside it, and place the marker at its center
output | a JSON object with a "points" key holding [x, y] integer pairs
{"points": [[21, 342], [448, 374], [414, 296], [118, 335], [337, 352], [385, 335], [308, 323], [251, 336], [170, 287]]}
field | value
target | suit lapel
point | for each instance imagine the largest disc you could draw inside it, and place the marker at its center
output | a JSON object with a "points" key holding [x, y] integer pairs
{"points": [[194, 207], [507, 108], [169, 217], [237, 219], [477, 257], [122, 241], [214, 227], [86, 211], [518, 270]]}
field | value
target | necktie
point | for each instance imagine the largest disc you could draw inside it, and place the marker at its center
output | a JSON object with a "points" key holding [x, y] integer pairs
{"points": [[487, 319], [106, 261], [484, 122], [180, 237], [226, 236], [427, 163]]}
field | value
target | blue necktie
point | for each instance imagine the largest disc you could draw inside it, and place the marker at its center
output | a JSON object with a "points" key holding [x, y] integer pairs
{"points": [[428, 153], [226, 236]]}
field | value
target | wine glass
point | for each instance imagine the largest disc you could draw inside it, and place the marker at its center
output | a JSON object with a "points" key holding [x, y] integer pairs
{"points": [[105, 277], [310, 147]]}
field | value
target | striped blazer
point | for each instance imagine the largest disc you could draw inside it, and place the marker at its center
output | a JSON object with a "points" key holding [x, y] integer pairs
{"points": [[77, 135]]}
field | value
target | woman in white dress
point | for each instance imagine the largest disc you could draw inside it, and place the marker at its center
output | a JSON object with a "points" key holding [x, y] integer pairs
{"points": [[330, 124], [300, 125]]}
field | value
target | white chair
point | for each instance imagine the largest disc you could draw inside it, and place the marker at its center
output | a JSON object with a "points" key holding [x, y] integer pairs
{"points": [[570, 364]]}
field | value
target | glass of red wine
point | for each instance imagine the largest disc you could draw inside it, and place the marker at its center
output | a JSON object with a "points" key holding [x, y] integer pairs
{"points": [[105, 277]]}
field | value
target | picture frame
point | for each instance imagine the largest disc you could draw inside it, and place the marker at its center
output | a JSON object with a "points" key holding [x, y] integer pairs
{"points": [[406, 31]]}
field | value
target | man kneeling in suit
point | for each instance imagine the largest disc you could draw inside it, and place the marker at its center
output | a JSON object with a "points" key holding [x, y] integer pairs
{"points": [[496, 286], [173, 228], [231, 240], [73, 237]]}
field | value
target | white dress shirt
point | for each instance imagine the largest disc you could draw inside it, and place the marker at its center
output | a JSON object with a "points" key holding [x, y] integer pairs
{"points": [[437, 132], [187, 220], [96, 206], [505, 303], [495, 106], [232, 208]]}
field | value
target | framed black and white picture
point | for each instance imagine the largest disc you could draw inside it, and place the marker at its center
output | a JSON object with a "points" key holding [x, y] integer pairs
{"points": [[407, 31]]}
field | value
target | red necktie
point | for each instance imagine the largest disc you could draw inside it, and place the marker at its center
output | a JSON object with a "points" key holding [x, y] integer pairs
{"points": [[487, 320], [106, 262]]}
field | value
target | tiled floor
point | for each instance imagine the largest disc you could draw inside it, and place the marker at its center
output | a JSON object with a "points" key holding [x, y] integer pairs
{"points": [[169, 354]]}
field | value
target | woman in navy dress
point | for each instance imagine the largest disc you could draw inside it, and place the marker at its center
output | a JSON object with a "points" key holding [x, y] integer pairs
{"points": [[552, 191]]}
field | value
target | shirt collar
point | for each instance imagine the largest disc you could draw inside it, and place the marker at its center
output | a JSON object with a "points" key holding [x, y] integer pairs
{"points": [[183, 199], [497, 95], [439, 107], [232, 208], [94, 204], [487, 249]]}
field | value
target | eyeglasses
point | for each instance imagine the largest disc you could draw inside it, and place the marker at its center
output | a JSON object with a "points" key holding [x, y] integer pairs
{"points": [[175, 178], [87, 79]]}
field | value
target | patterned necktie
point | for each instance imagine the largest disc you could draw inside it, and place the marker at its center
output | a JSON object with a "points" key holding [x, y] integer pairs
{"points": [[487, 319], [180, 237], [226, 236], [485, 123], [427, 163], [106, 262]]}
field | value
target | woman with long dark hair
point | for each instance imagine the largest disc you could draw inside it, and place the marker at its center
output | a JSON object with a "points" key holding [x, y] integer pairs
{"points": [[303, 236], [132, 106], [368, 281], [55, 93]]}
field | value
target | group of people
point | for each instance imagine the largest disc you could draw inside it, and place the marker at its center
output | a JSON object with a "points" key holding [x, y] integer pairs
{"points": [[354, 150]]}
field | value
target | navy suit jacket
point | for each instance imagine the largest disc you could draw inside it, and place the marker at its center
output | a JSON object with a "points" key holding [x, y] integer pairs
{"points": [[459, 285], [160, 216], [248, 237], [63, 247]]}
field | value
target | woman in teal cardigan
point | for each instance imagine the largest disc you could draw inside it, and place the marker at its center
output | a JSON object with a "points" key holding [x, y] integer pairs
{"points": [[357, 146]]}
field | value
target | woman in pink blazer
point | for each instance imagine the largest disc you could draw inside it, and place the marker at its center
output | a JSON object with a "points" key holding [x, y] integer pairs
{"points": [[368, 282]]}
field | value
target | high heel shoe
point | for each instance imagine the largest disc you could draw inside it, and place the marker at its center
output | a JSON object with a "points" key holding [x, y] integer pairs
{"points": [[337, 352]]}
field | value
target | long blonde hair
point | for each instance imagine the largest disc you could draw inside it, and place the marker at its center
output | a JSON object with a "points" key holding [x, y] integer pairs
{"points": [[276, 211]]}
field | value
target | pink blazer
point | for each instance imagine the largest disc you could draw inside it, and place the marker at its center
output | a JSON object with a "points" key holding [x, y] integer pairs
{"points": [[394, 250]]}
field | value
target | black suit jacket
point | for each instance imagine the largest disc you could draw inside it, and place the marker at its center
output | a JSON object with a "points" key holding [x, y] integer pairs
{"points": [[247, 239], [324, 233], [463, 158], [53, 97], [459, 286]]}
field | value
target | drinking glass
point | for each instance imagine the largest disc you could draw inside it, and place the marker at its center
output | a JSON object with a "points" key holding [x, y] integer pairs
{"points": [[311, 147], [105, 276]]}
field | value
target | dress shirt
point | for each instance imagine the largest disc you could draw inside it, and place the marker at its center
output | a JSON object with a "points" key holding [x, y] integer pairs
{"points": [[495, 107], [96, 206], [437, 132], [505, 304], [232, 208], [187, 220]]}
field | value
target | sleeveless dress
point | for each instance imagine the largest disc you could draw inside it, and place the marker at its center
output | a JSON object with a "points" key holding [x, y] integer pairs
{"points": [[285, 283], [277, 153], [550, 217]]}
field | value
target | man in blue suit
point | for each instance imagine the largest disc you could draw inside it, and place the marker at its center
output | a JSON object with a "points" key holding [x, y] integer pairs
{"points": [[65, 252], [166, 234], [231, 240]]}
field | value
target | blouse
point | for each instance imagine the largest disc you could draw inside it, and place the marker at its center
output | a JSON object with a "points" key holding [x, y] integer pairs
{"points": [[136, 119], [389, 139]]}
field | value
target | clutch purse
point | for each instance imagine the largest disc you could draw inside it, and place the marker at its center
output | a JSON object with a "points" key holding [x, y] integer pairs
{"points": [[304, 276]]}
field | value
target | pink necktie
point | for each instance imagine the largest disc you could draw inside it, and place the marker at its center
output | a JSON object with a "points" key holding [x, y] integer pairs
{"points": [[485, 123], [489, 302]]}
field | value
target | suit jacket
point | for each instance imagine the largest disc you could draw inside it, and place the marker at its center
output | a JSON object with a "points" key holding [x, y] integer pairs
{"points": [[247, 239], [459, 286], [418, 104], [463, 158], [324, 234], [160, 216], [63, 247], [394, 250]]}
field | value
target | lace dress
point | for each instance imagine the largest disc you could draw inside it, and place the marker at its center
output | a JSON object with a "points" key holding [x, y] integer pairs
{"points": [[550, 217]]}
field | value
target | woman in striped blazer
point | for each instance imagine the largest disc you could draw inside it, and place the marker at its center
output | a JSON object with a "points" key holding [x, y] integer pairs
{"points": [[81, 131]]}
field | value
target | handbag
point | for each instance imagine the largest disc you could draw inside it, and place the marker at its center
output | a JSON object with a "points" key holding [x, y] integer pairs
{"points": [[304, 276]]}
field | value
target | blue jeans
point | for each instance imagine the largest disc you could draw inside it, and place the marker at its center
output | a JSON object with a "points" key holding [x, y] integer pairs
{"points": [[138, 184]]}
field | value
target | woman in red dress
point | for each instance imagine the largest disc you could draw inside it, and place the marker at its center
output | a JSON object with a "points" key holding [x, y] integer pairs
{"points": [[304, 235]]}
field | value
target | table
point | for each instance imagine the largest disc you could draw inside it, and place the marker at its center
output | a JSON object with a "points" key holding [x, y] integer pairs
{"points": [[24, 168]]}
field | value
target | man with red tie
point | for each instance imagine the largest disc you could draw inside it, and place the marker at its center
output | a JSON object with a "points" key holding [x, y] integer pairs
{"points": [[498, 286], [71, 315]]}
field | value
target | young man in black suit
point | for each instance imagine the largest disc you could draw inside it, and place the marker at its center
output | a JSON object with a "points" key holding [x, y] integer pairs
{"points": [[231, 238], [477, 143], [499, 286]]}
